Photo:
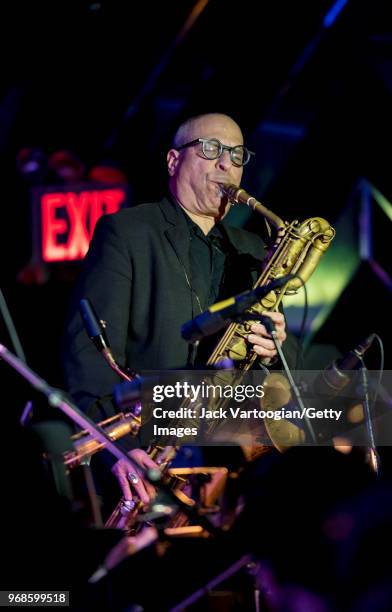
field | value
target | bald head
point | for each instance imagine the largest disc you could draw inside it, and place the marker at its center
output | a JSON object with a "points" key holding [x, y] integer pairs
{"points": [[191, 128]]}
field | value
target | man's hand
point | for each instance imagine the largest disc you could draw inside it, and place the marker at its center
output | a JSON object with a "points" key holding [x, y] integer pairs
{"points": [[263, 345], [130, 479]]}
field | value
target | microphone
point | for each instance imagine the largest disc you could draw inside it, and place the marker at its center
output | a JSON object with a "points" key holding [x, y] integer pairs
{"points": [[128, 393], [218, 315], [94, 327], [335, 376]]}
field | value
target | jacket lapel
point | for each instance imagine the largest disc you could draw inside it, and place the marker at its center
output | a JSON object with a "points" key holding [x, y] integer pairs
{"points": [[177, 234]]}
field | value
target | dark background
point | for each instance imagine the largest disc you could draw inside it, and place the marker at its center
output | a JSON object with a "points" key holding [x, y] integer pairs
{"points": [[110, 81]]}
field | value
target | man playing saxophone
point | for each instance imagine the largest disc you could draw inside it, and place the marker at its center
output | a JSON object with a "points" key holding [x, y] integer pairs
{"points": [[154, 266]]}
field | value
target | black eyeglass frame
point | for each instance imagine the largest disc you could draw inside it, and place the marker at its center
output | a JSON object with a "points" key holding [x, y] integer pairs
{"points": [[222, 148]]}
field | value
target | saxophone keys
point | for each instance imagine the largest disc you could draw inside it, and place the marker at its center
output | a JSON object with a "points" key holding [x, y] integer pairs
{"points": [[237, 349], [269, 301]]}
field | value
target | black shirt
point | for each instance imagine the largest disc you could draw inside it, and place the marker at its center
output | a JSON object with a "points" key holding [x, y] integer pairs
{"points": [[207, 255]]}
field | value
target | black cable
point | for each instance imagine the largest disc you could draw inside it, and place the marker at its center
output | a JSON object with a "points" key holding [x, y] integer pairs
{"points": [[301, 336]]}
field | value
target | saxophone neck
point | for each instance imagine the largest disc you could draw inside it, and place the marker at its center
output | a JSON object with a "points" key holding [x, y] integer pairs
{"points": [[240, 196]]}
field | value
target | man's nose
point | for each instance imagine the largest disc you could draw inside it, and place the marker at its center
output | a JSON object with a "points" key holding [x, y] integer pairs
{"points": [[224, 162]]}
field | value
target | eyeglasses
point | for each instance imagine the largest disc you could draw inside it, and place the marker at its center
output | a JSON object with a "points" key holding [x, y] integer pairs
{"points": [[212, 149]]}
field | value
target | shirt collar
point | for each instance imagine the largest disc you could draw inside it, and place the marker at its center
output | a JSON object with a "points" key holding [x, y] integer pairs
{"points": [[215, 231]]}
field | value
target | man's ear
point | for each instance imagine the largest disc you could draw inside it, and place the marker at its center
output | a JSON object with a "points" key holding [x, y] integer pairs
{"points": [[172, 159]]}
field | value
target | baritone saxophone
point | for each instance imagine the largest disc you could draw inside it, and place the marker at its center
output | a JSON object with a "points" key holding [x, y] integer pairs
{"points": [[296, 248]]}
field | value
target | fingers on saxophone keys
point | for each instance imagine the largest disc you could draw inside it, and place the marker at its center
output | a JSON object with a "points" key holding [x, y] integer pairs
{"points": [[149, 463], [139, 486], [279, 323], [124, 484], [126, 506], [134, 478], [276, 317], [260, 330], [264, 352], [151, 491], [260, 341]]}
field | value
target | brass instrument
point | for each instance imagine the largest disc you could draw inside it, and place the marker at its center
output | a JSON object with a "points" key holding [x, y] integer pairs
{"points": [[115, 427], [124, 515], [297, 249]]}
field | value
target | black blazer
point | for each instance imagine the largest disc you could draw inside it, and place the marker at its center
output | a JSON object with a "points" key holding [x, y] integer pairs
{"points": [[137, 276]]}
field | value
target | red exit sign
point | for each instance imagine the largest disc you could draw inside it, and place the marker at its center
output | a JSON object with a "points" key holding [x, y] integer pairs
{"points": [[65, 219]]}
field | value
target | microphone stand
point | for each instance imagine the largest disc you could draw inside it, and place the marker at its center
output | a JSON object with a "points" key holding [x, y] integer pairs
{"points": [[270, 327], [374, 457], [57, 399]]}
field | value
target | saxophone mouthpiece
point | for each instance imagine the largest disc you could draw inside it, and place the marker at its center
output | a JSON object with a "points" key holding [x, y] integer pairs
{"points": [[230, 191]]}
